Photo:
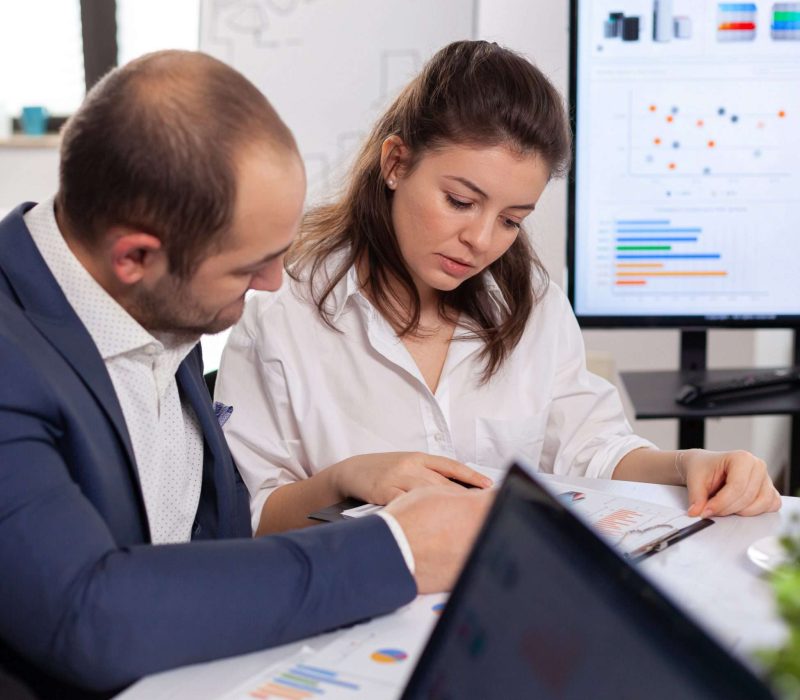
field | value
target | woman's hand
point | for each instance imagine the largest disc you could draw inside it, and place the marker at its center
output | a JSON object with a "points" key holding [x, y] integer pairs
{"points": [[382, 477], [726, 483]]}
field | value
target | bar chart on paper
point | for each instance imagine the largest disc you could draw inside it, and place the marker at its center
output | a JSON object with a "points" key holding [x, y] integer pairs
{"points": [[301, 681], [372, 660], [625, 523]]}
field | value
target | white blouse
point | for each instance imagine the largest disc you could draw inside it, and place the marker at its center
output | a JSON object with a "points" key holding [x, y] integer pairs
{"points": [[306, 396]]}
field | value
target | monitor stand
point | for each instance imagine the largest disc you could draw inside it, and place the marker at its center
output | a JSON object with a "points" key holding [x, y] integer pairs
{"points": [[653, 396], [694, 354]]}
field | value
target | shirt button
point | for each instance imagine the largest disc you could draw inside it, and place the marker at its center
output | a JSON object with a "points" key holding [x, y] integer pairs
{"points": [[439, 437]]}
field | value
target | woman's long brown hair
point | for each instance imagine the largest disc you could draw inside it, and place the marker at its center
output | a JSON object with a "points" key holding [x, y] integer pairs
{"points": [[471, 93]]}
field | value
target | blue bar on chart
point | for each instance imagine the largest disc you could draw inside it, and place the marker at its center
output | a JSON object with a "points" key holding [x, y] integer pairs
{"points": [[301, 682]]}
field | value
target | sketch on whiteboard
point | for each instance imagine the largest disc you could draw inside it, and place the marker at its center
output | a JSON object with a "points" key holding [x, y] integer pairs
{"points": [[397, 68], [330, 66], [231, 20]]}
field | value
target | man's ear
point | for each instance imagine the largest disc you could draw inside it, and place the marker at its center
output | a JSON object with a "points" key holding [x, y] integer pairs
{"points": [[394, 158], [135, 255]]}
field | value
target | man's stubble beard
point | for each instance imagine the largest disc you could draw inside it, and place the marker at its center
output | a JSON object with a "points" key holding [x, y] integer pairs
{"points": [[169, 308]]}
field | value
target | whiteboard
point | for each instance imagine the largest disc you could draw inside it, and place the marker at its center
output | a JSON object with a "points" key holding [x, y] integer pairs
{"points": [[330, 67]]}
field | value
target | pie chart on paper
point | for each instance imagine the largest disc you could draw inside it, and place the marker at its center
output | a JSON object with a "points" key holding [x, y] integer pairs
{"points": [[388, 656]]}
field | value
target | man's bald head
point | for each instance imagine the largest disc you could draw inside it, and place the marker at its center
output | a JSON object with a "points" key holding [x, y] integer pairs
{"points": [[155, 145]]}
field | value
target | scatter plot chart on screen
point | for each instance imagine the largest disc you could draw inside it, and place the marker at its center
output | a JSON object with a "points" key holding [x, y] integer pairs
{"points": [[714, 134]]}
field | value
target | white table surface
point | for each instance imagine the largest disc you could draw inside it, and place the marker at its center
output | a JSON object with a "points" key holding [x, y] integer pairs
{"points": [[708, 574]]}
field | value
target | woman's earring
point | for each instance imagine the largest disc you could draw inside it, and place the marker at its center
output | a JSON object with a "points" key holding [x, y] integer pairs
{"points": [[390, 183]]}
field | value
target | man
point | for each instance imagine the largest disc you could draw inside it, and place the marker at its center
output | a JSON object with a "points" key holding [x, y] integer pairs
{"points": [[180, 189]]}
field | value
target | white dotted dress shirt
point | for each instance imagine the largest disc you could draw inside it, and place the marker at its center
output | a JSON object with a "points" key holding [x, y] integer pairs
{"points": [[166, 437]]}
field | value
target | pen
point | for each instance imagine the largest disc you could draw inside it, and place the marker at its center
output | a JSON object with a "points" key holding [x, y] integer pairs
{"points": [[657, 545]]}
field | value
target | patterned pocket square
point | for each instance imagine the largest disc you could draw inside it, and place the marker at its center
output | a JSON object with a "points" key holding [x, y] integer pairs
{"points": [[222, 412]]}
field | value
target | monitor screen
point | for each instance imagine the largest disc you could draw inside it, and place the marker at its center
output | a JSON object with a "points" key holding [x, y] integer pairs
{"points": [[685, 195]]}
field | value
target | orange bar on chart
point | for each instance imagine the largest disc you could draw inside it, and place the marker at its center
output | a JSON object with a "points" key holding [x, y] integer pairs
{"points": [[665, 273], [271, 690]]}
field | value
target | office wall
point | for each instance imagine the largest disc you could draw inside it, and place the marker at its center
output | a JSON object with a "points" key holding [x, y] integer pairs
{"points": [[27, 174]]}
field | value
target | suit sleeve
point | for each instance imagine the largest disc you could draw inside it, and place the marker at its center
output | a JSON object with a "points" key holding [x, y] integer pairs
{"points": [[100, 616]]}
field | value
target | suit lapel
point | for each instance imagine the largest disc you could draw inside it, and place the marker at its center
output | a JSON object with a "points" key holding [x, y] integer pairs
{"points": [[217, 462], [39, 295]]}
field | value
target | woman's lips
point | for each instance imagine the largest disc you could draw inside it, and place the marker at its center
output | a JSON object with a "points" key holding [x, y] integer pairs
{"points": [[455, 267]]}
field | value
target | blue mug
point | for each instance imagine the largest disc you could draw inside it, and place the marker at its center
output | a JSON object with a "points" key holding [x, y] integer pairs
{"points": [[34, 120]]}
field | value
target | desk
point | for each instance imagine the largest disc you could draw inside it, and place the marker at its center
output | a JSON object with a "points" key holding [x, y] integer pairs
{"points": [[708, 574], [653, 396]]}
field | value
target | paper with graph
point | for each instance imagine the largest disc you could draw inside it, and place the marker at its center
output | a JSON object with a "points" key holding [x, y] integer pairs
{"points": [[626, 523], [372, 660]]}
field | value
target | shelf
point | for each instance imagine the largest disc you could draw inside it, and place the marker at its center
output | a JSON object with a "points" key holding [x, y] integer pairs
{"points": [[25, 141]]}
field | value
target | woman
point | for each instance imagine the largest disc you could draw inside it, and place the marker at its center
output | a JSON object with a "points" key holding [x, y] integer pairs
{"points": [[418, 318]]}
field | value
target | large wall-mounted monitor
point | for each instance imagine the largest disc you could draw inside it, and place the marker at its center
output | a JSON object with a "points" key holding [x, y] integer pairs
{"points": [[685, 194]]}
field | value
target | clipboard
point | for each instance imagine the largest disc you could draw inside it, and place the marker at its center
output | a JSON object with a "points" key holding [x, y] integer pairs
{"points": [[333, 513], [661, 543], [330, 514]]}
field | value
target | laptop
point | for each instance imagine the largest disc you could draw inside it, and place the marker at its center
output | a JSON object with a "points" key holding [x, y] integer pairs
{"points": [[545, 609]]}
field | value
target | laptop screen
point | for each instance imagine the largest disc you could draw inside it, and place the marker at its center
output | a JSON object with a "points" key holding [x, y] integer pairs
{"points": [[545, 609]]}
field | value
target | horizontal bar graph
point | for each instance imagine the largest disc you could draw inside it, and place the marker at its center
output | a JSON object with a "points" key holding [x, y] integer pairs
{"points": [[648, 240], [301, 682]]}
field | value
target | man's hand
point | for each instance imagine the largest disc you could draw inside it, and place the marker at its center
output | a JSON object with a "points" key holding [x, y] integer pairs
{"points": [[382, 477], [440, 524]]}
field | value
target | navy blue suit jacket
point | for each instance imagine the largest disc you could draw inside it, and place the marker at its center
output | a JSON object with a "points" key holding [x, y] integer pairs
{"points": [[85, 599]]}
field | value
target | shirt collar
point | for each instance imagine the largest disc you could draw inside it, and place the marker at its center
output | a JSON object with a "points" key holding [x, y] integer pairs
{"points": [[113, 330]]}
